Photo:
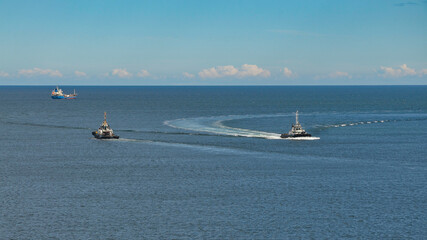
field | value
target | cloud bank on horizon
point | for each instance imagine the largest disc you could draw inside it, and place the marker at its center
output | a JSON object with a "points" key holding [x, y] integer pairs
{"points": [[246, 70], [38, 71], [228, 72], [239, 42]]}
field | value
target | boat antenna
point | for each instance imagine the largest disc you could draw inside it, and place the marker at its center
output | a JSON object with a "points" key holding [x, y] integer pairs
{"points": [[296, 116], [105, 116]]}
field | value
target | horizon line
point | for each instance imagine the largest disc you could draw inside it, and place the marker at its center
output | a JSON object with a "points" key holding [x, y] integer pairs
{"points": [[183, 85]]}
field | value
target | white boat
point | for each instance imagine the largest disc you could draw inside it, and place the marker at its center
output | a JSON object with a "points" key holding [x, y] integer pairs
{"points": [[105, 131], [296, 130]]}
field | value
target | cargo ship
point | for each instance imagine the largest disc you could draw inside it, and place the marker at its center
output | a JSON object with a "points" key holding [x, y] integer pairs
{"points": [[57, 93]]}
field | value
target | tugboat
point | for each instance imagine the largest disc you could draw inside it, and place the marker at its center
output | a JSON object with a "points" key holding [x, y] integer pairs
{"points": [[104, 131], [58, 94], [296, 131]]}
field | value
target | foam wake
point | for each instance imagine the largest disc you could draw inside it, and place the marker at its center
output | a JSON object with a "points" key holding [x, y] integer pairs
{"points": [[357, 123], [216, 126]]}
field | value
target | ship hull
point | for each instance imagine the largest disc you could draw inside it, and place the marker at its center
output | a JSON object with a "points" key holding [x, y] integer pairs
{"points": [[58, 97], [104, 136], [285, 135], [63, 97]]}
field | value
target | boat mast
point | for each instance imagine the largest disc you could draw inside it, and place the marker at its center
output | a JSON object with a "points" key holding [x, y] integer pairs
{"points": [[296, 116], [105, 116]]}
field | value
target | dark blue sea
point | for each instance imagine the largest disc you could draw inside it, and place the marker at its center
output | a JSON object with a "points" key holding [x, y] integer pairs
{"points": [[208, 163]]}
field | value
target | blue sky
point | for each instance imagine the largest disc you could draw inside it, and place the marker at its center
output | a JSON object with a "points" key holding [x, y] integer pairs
{"points": [[213, 42]]}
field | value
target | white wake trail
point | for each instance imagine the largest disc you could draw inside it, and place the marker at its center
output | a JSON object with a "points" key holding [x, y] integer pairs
{"points": [[215, 125], [356, 123]]}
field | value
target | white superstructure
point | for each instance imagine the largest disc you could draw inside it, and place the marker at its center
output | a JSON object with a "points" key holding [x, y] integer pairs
{"points": [[104, 131], [296, 130]]}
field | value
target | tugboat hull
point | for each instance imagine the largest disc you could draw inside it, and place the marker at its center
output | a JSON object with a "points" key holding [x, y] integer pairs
{"points": [[96, 135], [285, 135]]}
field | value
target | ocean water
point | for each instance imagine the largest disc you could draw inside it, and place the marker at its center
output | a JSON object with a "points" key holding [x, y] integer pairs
{"points": [[208, 162]]}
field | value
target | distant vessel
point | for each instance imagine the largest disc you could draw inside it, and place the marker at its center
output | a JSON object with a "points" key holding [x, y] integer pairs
{"points": [[104, 131], [296, 130], [58, 94]]}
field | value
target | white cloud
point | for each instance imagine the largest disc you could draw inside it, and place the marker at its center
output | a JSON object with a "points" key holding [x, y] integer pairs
{"points": [[246, 70], [80, 74], [252, 71], [402, 71], [143, 73], [38, 71], [4, 74], [423, 72], [217, 72], [288, 73], [407, 70], [338, 74], [188, 75], [121, 73]]}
